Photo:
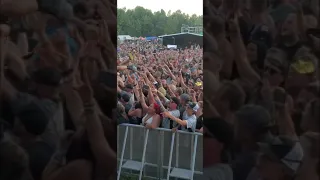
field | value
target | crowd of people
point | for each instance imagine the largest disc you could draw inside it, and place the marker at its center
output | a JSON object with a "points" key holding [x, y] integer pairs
{"points": [[261, 94], [56, 107], [159, 86], [253, 91]]}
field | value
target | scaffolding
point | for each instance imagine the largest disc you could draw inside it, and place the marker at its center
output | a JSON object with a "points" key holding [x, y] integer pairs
{"points": [[194, 29]]}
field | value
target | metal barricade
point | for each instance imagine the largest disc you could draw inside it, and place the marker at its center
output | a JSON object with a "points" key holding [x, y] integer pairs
{"points": [[148, 153]]}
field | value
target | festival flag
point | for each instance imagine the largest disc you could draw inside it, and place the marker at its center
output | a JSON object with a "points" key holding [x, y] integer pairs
{"points": [[198, 83]]}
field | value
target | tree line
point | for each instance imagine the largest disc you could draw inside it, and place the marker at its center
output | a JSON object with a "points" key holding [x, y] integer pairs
{"points": [[143, 22]]}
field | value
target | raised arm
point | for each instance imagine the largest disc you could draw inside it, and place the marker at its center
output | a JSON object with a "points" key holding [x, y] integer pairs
{"points": [[105, 157], [162, 97], [23, 43], [142, 100], [300, 21], [151, 77], [16, 65], [170, 73], [150, 96], [283, 118], [182, 82], [145, 77], [56, 168], [108, 50], [157, 99], [177, 120], [247, 73], [121, 68], [136, 92], [171, 92], [7, 91], [193, 95]]}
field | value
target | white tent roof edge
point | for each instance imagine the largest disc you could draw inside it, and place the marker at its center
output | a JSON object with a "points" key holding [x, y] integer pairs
{"points": [[179, 34]]}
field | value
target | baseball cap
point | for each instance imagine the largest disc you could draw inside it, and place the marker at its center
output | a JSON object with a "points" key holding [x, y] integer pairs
{"points": [[134, 68], [48, 76], [194, 106], [129, 86], [262, 33], [254, 117], [125, 97], [286, 150], [175, 100], [185, 97]]}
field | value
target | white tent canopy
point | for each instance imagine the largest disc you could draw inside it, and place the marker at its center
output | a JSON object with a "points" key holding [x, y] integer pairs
{"points": [[124, 37]]}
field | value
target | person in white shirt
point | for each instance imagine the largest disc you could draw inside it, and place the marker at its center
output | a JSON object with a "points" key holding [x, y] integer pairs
{"points": [[189, 119], [172, 109]]}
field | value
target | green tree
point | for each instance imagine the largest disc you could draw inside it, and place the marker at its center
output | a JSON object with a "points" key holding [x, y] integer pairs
{"points": [[143, 22]]}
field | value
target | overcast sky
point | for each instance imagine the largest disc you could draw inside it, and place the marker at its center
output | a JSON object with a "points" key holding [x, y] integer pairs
{"points": [[186, 6]]}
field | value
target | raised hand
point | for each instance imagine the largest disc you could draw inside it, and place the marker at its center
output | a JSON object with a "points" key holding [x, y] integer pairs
{"points": [[192, 93], [85, 91], [140, 83], [233, 24], [266, 91], [104, 32], [166, 114], [154, 91]]}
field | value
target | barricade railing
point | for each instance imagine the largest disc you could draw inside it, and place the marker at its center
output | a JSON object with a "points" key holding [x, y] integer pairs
{"points": [[159, 153]]}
